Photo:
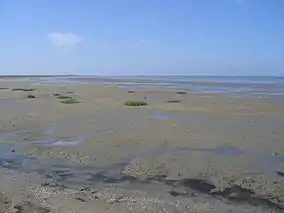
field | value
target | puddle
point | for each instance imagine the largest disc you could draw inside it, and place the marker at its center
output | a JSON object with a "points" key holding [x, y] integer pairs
{"points": [[51, 143], [280, 123], [49, 130], [164, 117], [229, 151], [161, 151], [8, 104], [188, 119], [4, 137], [72, 141], [237, 152], [274, 159]]}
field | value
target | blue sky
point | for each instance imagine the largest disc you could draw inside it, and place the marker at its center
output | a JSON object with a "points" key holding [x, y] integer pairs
{"points": [[134, 37]]}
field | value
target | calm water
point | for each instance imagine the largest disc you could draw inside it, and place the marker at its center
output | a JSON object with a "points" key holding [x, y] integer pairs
{"points": [[259, 85]]}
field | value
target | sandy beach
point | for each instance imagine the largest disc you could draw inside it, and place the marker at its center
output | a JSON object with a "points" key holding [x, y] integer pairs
{"points": [[191, 152]]}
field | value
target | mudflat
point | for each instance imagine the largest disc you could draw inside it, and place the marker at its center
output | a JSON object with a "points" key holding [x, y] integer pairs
{"points": [[77, 147]]}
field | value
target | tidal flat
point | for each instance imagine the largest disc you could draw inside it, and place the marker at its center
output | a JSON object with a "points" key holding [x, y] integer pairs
{"points": [[209, 151]]}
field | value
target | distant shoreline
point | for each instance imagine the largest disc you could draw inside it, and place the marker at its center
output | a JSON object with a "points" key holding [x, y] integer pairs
{"points": [[127, 76], [33, 76]]}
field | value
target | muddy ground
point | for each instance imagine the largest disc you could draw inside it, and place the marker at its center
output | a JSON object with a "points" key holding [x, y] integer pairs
{"points": [[208, 152]]}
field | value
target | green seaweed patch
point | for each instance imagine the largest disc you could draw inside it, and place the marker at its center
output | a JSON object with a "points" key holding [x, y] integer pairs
{"points": [[130, 91], [174, 101], [70, 101], [30, 96], [181, 92], [135, 103], [64, 97], [25, 90]]}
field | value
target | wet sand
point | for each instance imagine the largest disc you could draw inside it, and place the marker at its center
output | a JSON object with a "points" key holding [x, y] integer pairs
{"points": [[212, 152]]}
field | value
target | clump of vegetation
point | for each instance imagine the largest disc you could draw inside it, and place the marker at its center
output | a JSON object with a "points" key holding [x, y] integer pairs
{"points": [[63, 97], [28, 90], [174, 101], [25, 90], [181, 92], [70, 101], [135, 103], [130, 91], [30, 96], [70, 92]]}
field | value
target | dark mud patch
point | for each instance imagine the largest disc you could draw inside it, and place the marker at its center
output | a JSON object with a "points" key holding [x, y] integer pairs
{"points": [[234, 194], [281, 174], [198, 185], [240, 195]]}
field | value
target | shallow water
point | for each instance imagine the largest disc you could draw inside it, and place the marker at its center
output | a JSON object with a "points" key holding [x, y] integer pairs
{"points": [[228, 151], [54, 143], [202, 84], [8, 104], [188, 119], [67, 175], [59, 173]]}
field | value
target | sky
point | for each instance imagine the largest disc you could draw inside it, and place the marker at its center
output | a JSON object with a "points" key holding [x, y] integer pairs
{"points": [[142, 37]]}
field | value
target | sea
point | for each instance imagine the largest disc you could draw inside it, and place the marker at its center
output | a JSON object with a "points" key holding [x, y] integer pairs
{"points": [[256, 85], [253, 85]]}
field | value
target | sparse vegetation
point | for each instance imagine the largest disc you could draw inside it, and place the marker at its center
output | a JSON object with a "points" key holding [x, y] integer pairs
{"points": [[63, 97], [135, 103], [30, 96], [70, 101], [174, 101], [25, 90], [181, 92]]}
